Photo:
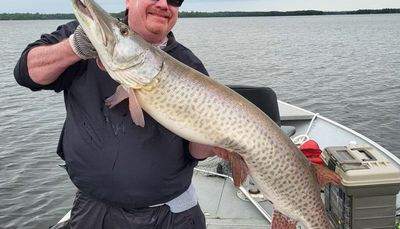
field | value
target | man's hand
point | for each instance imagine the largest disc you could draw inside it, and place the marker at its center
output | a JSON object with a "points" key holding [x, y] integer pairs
{"points": [[81, 44]]}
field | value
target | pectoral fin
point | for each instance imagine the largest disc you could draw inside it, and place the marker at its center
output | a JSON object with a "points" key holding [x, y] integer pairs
{"points": [[100, 64], [325, 175], [119, 95], [134, 106], [135, 109], [280, 221]]}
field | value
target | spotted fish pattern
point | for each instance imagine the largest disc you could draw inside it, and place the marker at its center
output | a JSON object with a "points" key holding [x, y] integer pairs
{"points": [[201, 110]]}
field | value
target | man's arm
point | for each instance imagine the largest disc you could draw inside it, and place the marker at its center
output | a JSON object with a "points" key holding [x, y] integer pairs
{"points": [[47, 62]]}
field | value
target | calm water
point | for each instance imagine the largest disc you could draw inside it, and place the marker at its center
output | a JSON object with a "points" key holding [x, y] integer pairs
{"points": [[345, 67]]}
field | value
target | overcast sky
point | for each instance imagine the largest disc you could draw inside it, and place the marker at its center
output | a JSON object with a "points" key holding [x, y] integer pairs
{"points": [[63, 6]]}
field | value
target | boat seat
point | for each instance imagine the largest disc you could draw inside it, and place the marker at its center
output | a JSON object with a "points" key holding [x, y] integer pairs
{"points": [[288, 130], [265, 99]]}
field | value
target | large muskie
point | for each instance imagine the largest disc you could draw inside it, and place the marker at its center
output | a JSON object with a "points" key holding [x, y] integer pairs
{"points": [[201, 110]]}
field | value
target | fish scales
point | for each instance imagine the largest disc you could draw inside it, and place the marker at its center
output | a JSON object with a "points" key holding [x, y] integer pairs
{"points": [[196, 114], [201, 110]]}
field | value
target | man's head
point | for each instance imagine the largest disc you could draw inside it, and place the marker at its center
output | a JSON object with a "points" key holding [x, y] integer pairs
{"points": [[152, 19]]}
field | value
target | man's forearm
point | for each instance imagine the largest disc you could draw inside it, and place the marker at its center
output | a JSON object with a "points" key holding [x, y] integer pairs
{"points": [[46, 63]]}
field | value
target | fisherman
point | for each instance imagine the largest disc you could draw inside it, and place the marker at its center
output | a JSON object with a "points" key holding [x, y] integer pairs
{"points": [[127, 176]]}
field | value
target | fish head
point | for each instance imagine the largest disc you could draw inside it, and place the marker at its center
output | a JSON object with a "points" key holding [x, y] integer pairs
{"points": [[118, 47]]}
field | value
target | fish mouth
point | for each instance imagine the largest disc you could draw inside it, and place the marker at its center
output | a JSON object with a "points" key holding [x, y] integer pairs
{"points": [[95, 20], [83, 8]]}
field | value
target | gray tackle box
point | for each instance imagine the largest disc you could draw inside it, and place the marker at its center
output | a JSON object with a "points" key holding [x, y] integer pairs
{"points": [[367, 196]]}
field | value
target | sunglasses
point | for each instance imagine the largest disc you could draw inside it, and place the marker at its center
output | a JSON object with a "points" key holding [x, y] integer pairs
{"points": [[176, 3]]}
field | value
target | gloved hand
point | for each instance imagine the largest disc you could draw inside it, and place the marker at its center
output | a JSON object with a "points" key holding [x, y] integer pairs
{"points": [[81, 44]]}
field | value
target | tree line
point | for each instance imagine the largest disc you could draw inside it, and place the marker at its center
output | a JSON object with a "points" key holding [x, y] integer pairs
{"points": [[284, 13], [249, 14], [38, 16]]}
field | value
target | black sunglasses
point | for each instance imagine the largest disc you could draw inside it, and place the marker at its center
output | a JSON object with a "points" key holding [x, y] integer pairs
{"points": [[176, 3]]}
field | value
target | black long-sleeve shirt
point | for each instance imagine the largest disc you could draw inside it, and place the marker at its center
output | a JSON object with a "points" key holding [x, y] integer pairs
{"points": [[108, 157]]}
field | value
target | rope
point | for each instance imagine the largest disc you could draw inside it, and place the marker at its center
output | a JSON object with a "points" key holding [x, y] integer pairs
{"points": [[300, 139]]}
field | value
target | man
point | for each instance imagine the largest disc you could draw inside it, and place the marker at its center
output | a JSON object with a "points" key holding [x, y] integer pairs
{"points": [[127, 176]]}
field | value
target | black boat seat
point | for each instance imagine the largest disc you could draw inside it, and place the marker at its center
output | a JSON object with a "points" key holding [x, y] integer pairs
{"points": [[288, 130], [265, 99]]}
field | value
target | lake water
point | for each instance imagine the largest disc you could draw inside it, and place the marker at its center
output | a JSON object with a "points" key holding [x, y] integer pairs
{"points": [[347, 68]]}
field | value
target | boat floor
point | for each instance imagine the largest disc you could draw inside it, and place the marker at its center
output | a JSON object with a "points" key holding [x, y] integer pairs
{"points": [[223, 208]]}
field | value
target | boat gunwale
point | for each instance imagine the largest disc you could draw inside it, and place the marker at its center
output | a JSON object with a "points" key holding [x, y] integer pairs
{"points": [[351, 131]]}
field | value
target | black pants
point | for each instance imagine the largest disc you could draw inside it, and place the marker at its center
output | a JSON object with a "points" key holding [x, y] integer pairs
{"points": [[88, 213]]}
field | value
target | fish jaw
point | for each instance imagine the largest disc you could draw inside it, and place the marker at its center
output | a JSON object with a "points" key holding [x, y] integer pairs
{"points": [[98, 26], [128, 58]]}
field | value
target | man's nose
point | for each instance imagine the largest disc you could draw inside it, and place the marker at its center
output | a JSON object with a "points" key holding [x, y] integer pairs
{"points": [[162, 3]]}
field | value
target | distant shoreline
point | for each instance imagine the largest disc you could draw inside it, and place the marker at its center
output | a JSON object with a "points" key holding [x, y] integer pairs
{"points": [[193, 14]]}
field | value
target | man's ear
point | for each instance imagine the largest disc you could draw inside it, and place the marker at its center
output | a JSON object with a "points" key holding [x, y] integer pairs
{"points": [[127, 4]]}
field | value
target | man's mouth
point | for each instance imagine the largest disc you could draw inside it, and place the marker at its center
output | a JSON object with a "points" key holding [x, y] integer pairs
{"points": [[159, 13]]}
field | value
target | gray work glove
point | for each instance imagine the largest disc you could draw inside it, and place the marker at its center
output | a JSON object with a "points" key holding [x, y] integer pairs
{"points": [[81, 44]]}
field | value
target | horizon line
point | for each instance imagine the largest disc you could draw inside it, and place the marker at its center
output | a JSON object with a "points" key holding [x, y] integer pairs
{"points": [[232, 11]]}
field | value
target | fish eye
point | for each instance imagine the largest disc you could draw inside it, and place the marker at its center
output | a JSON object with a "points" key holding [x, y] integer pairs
{"points": [[124, 31]]}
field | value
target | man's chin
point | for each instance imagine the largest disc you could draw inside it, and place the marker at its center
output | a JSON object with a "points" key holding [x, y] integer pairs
{"points": [[156, 29]]}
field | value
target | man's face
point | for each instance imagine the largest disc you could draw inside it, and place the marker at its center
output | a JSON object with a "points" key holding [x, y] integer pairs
{"points": [[152, 19]]}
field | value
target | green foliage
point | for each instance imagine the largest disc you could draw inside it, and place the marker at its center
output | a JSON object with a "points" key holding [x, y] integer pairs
{"points": [[37, 16], [283, 13], [382, 11], [248, 14]]}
